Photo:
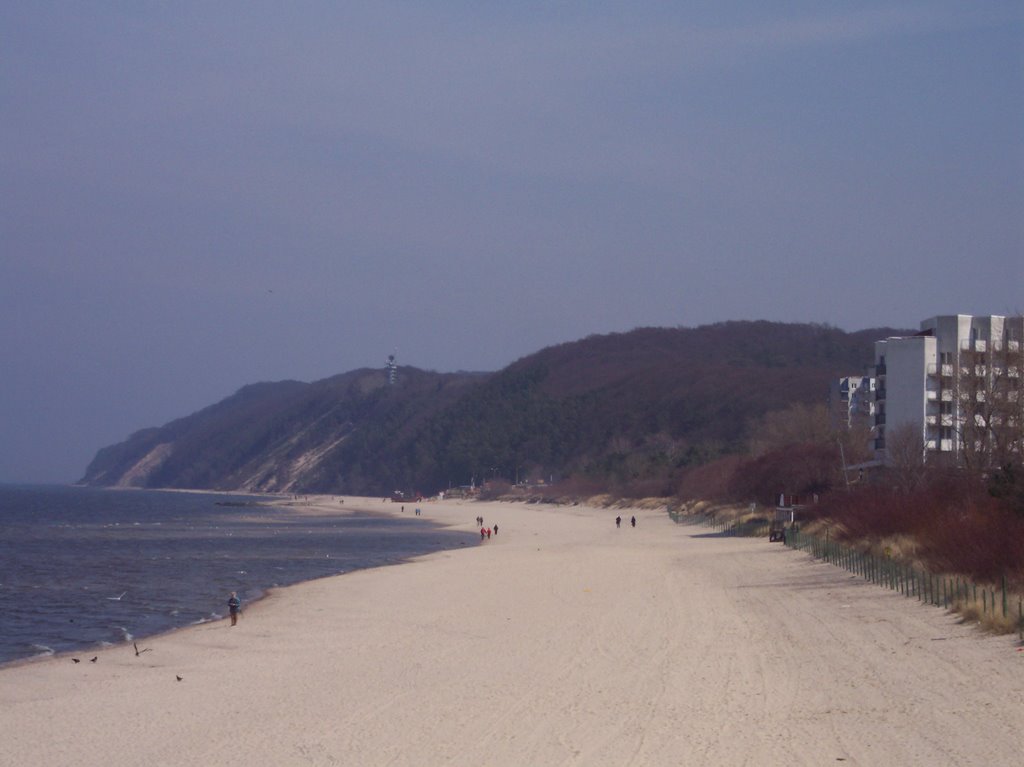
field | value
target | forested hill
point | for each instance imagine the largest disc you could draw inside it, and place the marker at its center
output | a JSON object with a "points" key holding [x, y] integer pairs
{"points": [[649, 401]]}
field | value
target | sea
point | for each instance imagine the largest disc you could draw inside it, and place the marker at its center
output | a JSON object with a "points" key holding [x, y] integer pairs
{"points": [[87, 567]]}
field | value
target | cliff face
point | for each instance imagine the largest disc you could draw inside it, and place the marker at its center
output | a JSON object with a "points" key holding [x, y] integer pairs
{"points": [[272, 437], [652, 400]]}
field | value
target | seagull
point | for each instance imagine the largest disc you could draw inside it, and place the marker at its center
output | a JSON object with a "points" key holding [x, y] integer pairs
{"points": [[177, 677], [94, 659], [117, 598], [76, 660]]}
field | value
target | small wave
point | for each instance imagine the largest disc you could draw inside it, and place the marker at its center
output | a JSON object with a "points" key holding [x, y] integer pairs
{"points": [[126, 635], [42, 649]]}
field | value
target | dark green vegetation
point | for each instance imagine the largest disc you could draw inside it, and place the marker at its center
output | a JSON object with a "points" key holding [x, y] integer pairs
{"points": [[632, 413]]}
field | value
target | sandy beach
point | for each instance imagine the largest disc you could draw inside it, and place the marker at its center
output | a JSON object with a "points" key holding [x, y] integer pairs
{"points": [[560, 641]]}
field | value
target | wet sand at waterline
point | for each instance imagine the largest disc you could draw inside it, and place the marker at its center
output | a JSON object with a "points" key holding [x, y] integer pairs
{"points": [[560, 641]]}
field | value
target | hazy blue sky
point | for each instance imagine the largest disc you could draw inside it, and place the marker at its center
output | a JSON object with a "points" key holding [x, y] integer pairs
{"points": [[198, 196]]}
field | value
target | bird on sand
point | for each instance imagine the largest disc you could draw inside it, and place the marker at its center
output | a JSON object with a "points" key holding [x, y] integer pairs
{"points": [[177, 677], [94, 658], [76, 660]]}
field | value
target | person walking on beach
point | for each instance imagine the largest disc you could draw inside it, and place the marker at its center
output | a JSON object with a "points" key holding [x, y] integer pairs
{"points": [[483, 533], [495, 529], [632, 521], [234, 607], [618, 521], [488, 533]]}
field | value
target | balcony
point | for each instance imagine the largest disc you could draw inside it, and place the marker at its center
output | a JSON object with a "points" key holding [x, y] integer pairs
{"points": [[978, 345]]}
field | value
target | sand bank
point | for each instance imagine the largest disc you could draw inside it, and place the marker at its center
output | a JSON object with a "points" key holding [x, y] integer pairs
{"points": [[561, 641]]}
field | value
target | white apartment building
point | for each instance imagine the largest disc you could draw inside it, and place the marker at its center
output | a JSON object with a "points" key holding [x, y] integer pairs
{"points": [[851, 401], [928, 380]]}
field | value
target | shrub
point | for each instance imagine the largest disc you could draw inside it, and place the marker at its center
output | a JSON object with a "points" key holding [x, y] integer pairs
{"points": [[801, 469], [710, 481], [957, 526]]}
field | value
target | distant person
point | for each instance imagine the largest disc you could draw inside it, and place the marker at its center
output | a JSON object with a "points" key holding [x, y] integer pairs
{"points": [[488, 533], [234, 607], [632, 521], [483, 533], [495, 529], [618, 521]]}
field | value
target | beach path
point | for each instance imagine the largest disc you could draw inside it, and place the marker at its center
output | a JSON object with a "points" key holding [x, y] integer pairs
{"points": [[560, 641]]}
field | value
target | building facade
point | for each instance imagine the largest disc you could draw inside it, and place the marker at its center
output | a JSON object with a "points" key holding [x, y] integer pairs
{"points": [[953, 387], [851, 402]]}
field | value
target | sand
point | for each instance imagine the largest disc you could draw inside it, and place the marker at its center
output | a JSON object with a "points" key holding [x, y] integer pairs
{"points": [[561, 641]]}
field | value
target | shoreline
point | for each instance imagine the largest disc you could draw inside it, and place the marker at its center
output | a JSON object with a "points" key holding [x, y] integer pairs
{"points": [[562, 640], [318, 505]]}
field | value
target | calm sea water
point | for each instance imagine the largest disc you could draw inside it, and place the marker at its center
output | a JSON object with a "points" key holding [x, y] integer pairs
{"points": [[81, 567]]}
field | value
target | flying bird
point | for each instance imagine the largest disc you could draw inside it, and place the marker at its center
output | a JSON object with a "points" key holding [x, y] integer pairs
{"points": [[117, 598]]}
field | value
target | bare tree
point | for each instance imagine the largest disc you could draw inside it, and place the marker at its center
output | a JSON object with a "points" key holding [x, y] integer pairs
{"points": [[797, 424], [905, 453]]}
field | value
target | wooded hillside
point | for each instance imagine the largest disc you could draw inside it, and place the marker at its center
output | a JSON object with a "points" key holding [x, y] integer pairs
{"points": [[612, 408]]}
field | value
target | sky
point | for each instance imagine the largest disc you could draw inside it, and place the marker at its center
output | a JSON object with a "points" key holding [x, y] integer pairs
{"points": [[198, 196]]}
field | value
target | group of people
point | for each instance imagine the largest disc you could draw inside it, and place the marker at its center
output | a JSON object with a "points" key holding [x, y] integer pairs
{"points": [[485, 532], [618, 521]]}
